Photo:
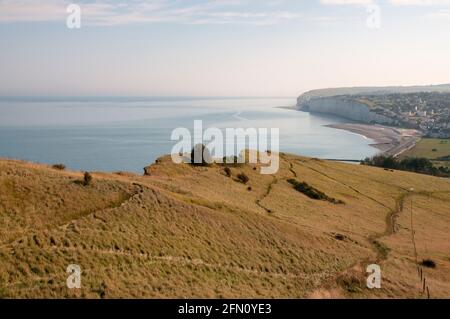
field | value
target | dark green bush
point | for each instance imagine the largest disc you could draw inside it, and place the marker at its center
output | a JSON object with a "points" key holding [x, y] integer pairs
{"points": [[243, 178], [227, 171], [231, 161], [428, 263], [87, 179], [312, 192], [200, 155], [60, 167], [411, 164]]}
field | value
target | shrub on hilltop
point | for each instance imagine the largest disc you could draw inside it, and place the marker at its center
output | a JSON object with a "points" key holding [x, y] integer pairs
{"points": [[227, 171], [60, 167], [200, 155], [87, 179], [243, 178]]}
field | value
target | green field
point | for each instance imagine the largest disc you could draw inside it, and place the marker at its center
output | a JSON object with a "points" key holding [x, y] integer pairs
{"points": [[432, 148]]}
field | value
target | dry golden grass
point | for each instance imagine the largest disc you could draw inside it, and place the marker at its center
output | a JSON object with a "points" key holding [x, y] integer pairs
{"points": [[189, 231]]}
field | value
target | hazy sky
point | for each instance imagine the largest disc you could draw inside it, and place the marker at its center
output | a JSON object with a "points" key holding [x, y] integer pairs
{"points": [[221, 48]]}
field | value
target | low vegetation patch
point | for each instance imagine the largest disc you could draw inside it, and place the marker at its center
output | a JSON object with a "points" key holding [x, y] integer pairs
{"points": [[200, 155], [351, 282], [87, 179], [227, 171], [428, 263], [339, 237], [412, 164], [60, 167], [312, 192], [383, 250], [232, 161], [243, 178]]}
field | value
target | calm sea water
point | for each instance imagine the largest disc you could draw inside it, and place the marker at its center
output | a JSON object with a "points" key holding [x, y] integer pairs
{"points": [[121, 134]]}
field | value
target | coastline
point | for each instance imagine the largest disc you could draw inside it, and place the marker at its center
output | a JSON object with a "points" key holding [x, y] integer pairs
{"points": [[389, 141]]}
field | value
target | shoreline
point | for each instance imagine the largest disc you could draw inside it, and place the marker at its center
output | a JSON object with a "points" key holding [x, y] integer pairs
{"points": [[390, 141]]}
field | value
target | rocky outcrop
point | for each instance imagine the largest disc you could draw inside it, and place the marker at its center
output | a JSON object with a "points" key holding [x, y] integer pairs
{"points": [[346, 108]]}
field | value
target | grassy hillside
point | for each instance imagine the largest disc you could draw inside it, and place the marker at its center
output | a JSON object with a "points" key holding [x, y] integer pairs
{"points": [[435, 149], [190, 231]]}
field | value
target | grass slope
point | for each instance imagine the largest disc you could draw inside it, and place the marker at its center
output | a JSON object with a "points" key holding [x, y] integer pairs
{"points": [[190, 231], [435, 149]]}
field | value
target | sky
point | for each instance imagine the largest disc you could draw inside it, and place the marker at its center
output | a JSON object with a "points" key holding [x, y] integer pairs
{"points": [[220, 47]]}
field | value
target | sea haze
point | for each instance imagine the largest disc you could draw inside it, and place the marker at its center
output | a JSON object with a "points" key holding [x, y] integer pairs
{"points": [[126, 134]]}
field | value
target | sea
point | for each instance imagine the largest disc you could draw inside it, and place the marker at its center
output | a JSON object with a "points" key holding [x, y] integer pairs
{"points": [[128, 133]]}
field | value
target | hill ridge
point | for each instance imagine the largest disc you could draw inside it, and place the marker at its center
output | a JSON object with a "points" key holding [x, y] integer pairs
{"points": [[194, 232]]}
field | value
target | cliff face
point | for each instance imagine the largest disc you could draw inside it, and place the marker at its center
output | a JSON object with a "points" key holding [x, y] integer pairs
{"points": [[332, 101], [343, 108]]}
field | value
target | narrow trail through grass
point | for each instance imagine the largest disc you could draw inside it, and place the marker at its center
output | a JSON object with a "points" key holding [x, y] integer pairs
{"points": [[181, 261], [391, 226], [274, 181], [266, 194], [379, 248]]}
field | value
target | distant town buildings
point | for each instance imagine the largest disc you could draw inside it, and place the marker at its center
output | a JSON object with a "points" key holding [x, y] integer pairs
{"points": [[428, 112]]}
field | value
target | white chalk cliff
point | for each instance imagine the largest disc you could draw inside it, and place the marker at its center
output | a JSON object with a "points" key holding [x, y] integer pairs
{"points": [[345, 108]]}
